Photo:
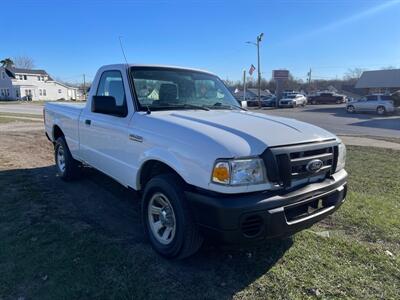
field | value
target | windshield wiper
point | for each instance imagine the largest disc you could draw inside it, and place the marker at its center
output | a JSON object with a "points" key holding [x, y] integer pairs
{"points": [[219, 105], [186, 105]]}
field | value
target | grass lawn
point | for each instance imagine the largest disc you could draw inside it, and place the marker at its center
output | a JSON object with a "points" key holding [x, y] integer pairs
{"points": [[48, 251]]}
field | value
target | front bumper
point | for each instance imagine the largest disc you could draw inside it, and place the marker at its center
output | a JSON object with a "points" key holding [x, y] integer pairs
{"points": [[263, 215], [289, 104]]}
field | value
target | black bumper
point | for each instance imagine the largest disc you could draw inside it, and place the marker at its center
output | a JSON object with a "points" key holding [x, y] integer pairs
{"points": [[250, 217]]}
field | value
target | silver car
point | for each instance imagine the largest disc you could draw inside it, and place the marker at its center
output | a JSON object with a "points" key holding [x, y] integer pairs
{"points": [[379, 103], [293, 100]]}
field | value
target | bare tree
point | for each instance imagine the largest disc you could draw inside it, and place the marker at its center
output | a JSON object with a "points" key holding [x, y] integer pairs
{"points": [[24, 62], [389, 68], [354, 73]]}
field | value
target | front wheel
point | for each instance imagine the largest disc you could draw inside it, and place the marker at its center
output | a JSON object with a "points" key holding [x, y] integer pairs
{"points": [[350, 109], [167, 219], [380, 110]]}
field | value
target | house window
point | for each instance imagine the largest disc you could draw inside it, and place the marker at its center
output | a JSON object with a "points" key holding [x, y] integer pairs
{"points": [[7, 92], [17, 93], [59, 91], [25, 77], [3, 75], [40, 92], [21, 77], [2, 93], [44, 92], [43, 78]]}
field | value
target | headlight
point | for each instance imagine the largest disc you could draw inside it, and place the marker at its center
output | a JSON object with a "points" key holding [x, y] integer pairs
{"points": [[341, 157], [239, 171]]}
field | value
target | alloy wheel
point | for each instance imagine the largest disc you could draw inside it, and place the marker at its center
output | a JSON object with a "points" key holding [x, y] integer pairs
{"points": [[161, 218]]}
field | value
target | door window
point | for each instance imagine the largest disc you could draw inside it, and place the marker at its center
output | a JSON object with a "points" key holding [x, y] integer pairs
{"points": [[372, 98], [111, 84], [386, 97]]}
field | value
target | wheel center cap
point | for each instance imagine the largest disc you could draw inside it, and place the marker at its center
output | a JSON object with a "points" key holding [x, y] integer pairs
{"points": [[166, 218], [163, 217]]}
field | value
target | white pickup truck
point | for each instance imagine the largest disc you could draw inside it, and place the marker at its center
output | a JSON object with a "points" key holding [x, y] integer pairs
{"points": [[205, 167]]}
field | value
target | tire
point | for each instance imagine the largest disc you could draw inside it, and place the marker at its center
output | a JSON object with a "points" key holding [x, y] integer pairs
{"points": [[314, 102], [381, 110], [183, 237], [67, 167], [350, 109], [294, 104]]}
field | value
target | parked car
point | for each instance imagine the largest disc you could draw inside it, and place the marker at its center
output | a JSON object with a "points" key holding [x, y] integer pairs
{"points": [[204, 167], [379, 103], [293, 100], [265, 102], [270, 101], [326, 98]]}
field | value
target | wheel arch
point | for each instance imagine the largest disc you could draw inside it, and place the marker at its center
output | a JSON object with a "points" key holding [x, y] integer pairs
{"points": [[152, 167], [57, 132]]}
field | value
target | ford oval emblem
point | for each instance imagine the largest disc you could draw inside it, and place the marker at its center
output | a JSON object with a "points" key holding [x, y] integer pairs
{"points": [[314, 165]]}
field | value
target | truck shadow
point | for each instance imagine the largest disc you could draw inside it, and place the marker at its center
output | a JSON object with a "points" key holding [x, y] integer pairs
{"points": [[340, 111], [114, 211], [392, 123]]}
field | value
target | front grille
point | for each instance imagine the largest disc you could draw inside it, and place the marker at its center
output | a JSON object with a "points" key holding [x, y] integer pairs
{"points": [[288, 164], [299, 161]]}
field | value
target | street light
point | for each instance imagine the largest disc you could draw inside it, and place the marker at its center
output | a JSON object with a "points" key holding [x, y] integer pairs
{"points": [[257, 44]]}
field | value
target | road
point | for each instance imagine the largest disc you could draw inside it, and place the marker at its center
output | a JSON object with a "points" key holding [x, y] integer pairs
{"points": [[335, 119], [22, 108]]}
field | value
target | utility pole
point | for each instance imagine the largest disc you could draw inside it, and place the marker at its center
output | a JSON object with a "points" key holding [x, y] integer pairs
{"points": [[84, 87], [259, 38], [309, 79], [244, 85]]}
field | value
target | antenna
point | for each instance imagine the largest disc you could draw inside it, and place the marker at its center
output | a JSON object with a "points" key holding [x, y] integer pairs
{"points": [[122, 49]]}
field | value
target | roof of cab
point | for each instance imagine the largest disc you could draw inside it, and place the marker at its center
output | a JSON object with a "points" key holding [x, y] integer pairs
{"points": [[158, 66]]}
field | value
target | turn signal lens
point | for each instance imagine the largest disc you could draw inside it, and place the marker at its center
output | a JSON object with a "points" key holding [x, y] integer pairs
{"points": [[221, 172]]}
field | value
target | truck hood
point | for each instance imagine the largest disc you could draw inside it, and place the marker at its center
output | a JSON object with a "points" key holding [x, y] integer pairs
{"points": [[242, 132]]}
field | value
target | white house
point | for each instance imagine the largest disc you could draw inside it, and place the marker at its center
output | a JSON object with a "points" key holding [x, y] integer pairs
{"points": [[17, 84]]}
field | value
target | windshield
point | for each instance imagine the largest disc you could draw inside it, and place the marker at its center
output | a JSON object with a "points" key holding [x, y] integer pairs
{"points": [[160, 88], [291, 96]]}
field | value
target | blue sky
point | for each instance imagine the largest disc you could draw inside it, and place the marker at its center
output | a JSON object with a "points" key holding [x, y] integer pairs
{"points": [[69, 38]]}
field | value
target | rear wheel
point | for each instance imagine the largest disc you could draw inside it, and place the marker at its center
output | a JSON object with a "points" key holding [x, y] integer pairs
{"points": [[67, 167], [350, 109], [380, 110], [167, 219]]}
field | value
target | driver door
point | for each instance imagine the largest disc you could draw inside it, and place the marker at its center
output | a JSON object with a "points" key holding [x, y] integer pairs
{"points": [[104, 137]]}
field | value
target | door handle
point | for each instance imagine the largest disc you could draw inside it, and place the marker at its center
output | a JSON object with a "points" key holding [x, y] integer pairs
{"points": [[88, 122], [136, 138]]}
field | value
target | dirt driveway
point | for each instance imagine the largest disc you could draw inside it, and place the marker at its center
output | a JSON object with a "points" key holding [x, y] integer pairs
{"points": [[100, 200]]}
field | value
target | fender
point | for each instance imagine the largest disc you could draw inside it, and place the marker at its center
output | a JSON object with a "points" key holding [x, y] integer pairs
{"points": [[164, 156]]}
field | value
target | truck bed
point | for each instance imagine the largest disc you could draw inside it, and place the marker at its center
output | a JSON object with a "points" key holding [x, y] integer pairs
{"points": [[64, 115]]}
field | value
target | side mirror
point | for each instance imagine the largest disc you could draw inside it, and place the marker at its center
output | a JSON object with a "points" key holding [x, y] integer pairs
{"points": [[107, 105]]}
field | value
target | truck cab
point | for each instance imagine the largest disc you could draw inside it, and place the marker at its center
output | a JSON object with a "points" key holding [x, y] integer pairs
{"points": [[205, 168]]}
